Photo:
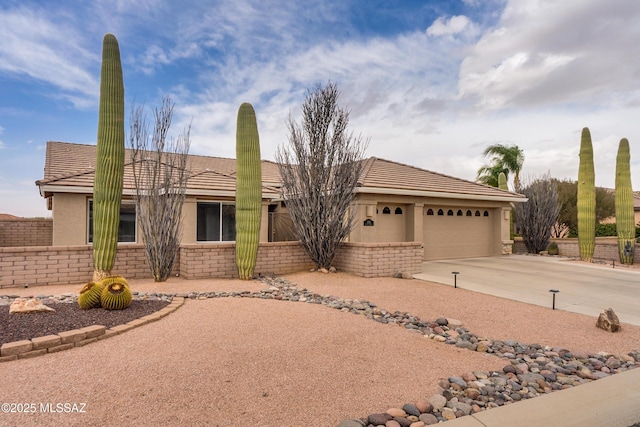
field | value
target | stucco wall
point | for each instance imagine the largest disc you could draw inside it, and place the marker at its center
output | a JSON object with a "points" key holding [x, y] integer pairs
{"points": [[26, 232], [70, 219]]}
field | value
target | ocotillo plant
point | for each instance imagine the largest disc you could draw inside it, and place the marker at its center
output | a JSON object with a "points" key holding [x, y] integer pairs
{"points": [[248, 191], [625, 225], [107, 187], [586, 203]]}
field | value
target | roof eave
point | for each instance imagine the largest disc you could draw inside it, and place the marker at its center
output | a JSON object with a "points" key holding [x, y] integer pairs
{"points": [[440, 194], [48, 189]]}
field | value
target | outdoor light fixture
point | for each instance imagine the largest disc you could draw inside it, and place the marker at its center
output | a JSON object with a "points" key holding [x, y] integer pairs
{"points": [[554, 291], [455, 278]]}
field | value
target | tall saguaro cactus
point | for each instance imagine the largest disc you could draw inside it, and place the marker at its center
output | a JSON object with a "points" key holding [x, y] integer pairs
{"points": [[586, 199], [625, 225], [248, 191], [107, 188]]}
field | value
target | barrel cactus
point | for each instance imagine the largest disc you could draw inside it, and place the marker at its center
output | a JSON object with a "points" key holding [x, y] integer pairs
{"points": [[107, 189], [248, 191], [625, 218], [89, 296], [586, 203], [116, 294]]}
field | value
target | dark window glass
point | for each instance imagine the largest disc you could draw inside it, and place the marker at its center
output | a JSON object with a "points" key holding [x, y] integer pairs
{"points": [[126, 226], [216, 222]]}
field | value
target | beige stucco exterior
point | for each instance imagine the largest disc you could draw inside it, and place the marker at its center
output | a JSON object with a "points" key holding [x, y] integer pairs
{"points": [[70, 222], [70, 225], [392, 203], [443, 237]]}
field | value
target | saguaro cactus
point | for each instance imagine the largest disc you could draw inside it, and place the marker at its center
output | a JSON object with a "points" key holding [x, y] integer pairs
{"points": [[107, 187], [502, 184], [502, 181], [586, 199], [625, 225], [248, 191]]}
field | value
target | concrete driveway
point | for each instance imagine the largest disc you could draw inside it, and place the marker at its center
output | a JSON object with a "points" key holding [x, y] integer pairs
{"points": [[583, 288]]}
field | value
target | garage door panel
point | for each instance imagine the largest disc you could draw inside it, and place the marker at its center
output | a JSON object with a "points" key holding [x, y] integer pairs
{"points": [[447, 237]]}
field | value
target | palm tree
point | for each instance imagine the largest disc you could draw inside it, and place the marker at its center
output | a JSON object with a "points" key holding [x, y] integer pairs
{"points": [[504, 158]]}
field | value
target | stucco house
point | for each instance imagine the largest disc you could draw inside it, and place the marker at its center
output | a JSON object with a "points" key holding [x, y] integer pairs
{"points": [[452, 217]]}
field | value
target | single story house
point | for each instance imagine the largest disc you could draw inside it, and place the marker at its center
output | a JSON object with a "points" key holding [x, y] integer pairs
{"points": [[394, 202]]}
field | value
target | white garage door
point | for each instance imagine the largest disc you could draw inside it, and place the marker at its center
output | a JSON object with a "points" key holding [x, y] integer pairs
{"points": [[451, 233]]}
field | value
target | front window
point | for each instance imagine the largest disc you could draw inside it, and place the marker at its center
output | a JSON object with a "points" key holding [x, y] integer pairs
{"points": [[216, 222], [127, 226]]}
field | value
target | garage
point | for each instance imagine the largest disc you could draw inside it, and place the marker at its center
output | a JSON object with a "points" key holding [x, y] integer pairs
{"points": [[452, 233]]}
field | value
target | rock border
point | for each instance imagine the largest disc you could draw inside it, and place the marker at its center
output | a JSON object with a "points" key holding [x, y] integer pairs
{"points": [[77, 337]]}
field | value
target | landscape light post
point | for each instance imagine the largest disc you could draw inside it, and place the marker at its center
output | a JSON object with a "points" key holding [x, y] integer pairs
{"points": [[554, 291]]}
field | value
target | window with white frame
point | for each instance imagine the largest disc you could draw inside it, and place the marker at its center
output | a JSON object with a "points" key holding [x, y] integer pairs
{"points": [[216, 222], [127, 225]]}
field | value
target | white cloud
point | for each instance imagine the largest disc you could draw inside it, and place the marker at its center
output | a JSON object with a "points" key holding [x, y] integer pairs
{"points": [[453, 25], [544, 51], [35, 46]]}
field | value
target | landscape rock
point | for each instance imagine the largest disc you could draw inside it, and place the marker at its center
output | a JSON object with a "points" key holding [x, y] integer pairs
{"points": [[21, 305], [608, 320]]}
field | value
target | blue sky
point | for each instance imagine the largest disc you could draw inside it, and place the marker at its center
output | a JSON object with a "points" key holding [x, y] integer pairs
{"points": [[431, 83]]}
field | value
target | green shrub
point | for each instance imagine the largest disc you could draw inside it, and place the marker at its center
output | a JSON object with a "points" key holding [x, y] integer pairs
{"points": [[606, 230], [553, 248]]}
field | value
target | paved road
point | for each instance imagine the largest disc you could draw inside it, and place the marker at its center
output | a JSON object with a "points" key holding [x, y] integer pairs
{"points": [[585, 289]]}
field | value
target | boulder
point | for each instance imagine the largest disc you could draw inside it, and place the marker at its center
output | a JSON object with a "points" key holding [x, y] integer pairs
{"points": [[21, 305], [608, 321]]}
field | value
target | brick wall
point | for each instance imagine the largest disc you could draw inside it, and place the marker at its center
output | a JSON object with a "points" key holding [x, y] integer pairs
{"points": [[219, 260], [66, 264], [606, 248], [53, 265], [26, 232], [380, 259]]}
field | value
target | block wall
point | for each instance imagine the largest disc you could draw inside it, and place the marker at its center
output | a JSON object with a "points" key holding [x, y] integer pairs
{"points": [[380, 259], [606, 248], [53, 265], [26, 232]]}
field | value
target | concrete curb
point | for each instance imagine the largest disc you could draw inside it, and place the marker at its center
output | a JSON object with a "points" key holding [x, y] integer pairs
{"points": [[611, 401], [77, 337]]}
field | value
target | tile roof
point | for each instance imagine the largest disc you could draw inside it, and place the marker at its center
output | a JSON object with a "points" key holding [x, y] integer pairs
{"points": [[73, 165], [4, 216], [385, 174]]}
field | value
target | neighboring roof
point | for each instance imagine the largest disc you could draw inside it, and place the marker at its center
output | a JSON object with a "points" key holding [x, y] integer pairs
{"points": [[4, 216], [383, 176], [636, 201], [71, 168]]}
